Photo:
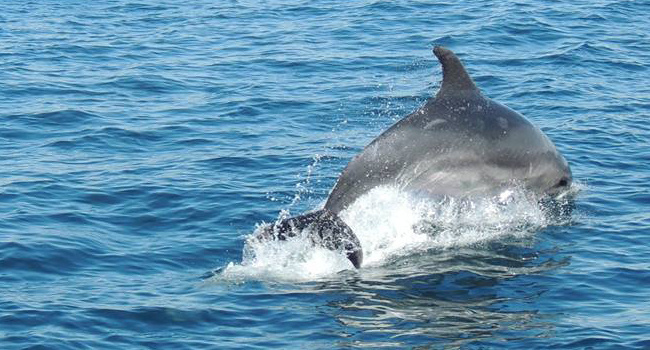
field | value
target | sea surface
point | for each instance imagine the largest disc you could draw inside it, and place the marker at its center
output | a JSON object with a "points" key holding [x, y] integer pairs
{"points": [[143, 142]]}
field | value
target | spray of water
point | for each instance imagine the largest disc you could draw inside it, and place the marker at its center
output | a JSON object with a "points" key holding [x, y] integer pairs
{"points": [[391, 224]]}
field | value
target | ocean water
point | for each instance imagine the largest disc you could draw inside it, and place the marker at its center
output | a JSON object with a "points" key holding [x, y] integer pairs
{"points": [[142, 143]]}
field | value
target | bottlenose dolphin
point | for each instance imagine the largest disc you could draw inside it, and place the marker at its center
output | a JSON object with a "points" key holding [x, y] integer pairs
{"points": [[459, 144]]}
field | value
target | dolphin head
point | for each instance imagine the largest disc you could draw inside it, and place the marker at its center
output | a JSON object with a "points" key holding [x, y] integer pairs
{"points": [[554, 177]]}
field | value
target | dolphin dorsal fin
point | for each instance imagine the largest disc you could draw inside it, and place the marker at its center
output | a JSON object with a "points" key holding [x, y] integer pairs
{"points": [[455, 79]]}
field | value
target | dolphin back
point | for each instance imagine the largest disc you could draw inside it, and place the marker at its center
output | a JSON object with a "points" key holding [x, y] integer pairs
{"points": [[460, 143]]}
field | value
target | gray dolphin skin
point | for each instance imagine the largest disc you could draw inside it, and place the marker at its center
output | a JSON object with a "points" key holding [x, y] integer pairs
{"points": [[459, 144]]}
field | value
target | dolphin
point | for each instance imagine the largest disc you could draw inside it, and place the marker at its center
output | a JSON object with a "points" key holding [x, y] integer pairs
{"points": [[459, 144]]}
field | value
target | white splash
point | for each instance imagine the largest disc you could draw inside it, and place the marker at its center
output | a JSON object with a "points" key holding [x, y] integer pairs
{"points": [[295, 259], [389, 224]]}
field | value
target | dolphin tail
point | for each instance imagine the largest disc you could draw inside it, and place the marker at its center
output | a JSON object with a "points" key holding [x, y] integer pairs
{"points": [[323, 228]]}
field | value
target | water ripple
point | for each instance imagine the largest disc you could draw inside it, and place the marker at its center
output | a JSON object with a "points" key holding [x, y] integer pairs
{"points": [[142, 142]]}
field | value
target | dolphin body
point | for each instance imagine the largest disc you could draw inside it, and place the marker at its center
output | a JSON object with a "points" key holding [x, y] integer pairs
{"points": [[460, 144]]}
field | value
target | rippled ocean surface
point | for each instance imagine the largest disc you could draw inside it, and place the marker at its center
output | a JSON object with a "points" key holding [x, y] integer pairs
{"points": [[142, 142]]}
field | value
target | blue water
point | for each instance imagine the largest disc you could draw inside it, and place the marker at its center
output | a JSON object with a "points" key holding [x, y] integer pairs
{"points": [[142, 142]]}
